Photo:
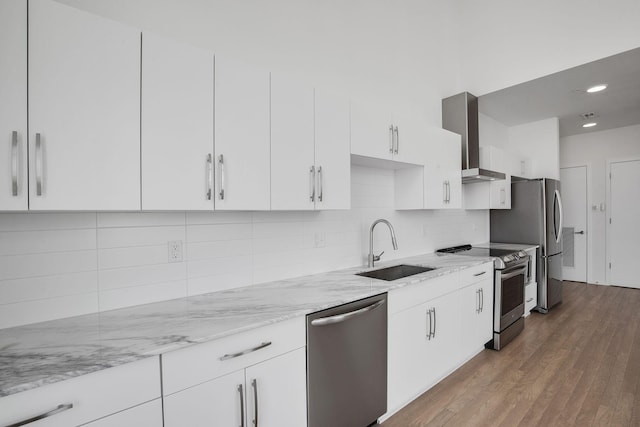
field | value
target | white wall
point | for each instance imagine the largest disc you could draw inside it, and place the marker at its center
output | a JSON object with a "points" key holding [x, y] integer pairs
{"points": [[538, 141], [55, 265], [506, 42], [595, 150], [402, 53]]}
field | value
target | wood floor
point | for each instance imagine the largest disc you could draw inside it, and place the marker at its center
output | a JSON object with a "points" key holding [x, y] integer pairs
{"points": [[579, 365]]}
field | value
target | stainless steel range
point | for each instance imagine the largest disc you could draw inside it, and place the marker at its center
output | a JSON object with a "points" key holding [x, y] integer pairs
{"points": [[511, 274]]}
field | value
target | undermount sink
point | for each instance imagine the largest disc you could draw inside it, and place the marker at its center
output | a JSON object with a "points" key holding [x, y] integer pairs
{"points": [[395, 272]]}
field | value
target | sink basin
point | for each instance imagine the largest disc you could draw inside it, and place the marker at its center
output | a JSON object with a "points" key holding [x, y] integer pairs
{"points": [[395, 272]]}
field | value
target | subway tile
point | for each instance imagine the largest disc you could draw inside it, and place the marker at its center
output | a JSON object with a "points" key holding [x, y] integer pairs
{"points": [[140, 219], [35, 265], [220, 282], [138, 236], [213, 232], [46, 221], [277, 229], [136, 295], [132, 257], [47, 309], [217, 249], [218, 266], [141, 275], [202, 218], [33, 242], [34, 288]]}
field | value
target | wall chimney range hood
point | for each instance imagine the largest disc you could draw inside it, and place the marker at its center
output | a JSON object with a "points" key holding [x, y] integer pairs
{"points": [[460, 115]]}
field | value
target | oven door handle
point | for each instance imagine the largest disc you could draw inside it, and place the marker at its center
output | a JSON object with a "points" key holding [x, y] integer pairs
{"points": [[519, 270]]}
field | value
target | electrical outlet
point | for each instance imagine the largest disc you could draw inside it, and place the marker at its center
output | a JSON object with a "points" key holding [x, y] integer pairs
{"points": [[175, 250]]}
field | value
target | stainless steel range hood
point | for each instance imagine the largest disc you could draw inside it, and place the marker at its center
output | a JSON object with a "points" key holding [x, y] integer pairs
{"points": [[460, 115]]}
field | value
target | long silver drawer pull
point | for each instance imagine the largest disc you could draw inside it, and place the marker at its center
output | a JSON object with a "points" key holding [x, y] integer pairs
{"points": [[312, 183], [38, 165], [57, 410], [14, 163], [320, 179], [209, 176], [391, 139], [479, 274], [221, 167], [254, 384], [323, 321], [241, 405], [397, 139], [247, 351]]}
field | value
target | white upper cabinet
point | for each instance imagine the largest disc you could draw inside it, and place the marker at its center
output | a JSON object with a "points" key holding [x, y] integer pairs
{"points": [[242, 137], [292, 145], [372, 131], [488, 195], [333, 163], [177, 125], [410, 138], [84, 111], [13, 105], [443, 175]]}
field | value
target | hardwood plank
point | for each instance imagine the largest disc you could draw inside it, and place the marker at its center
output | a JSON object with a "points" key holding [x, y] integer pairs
{"points": [[577, 365]]}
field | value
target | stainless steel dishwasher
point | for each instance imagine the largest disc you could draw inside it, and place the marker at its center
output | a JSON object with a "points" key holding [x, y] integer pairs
{"points": [[347, 364]]}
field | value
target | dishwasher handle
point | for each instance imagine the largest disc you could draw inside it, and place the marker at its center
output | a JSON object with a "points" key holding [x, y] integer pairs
{"points": [[323, 321]]}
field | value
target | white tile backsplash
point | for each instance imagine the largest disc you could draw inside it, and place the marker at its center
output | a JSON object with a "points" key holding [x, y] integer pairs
{"points": [[55, 265]]}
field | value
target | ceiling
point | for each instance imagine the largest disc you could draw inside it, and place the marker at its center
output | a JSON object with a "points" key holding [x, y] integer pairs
{"points": [[564, 95]]}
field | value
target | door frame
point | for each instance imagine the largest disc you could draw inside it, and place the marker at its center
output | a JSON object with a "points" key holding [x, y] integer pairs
{"points": [[586, 166], [607, 233]]}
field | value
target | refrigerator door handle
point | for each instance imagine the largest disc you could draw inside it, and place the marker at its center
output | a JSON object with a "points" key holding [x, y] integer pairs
{"points": [[559, 201]]}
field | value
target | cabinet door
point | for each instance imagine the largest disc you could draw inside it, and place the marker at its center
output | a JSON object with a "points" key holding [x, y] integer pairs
{"points": [[371, 131], [443, 179], [411, 134], [13, 105], [84, 110], [292, 145], [451, 154], [333, 162], [501, 194], [277, 391], [241, 137], [216, 402], [146, 415], [478, 316], [177, 125], [447, 347]]}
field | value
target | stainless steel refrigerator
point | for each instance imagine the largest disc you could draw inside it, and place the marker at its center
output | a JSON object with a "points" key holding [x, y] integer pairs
{"points": [[535, 217]]}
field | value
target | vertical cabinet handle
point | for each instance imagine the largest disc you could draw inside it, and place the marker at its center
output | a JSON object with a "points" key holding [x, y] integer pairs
{"points": [[397, 140], [477, 301], [241, 405], [503, 196], [39, 165], [254, 384], [209, 176], [320, 179], [444, 191], [429, 321], [391, 142], [448, 192], [312, 183], [481, 300], [433, 335], [14, 163], [221, 170], [54, 411]]}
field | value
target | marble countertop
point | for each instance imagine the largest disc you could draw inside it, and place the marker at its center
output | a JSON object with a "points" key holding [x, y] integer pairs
{"points": [[48, 352]]}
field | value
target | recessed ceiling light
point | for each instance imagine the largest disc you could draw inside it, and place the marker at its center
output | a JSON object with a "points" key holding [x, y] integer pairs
{"points": [[589, 125], [597, 88]]}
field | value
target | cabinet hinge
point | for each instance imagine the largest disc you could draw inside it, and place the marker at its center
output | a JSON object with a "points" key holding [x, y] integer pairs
{"points": [[609, 220], [609, 266]]}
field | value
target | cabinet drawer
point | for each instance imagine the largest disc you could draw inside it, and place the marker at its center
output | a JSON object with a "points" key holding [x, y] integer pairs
{"points": [[476, 273], [203, 362], [93, 395], [146, 415], [412, 295]]}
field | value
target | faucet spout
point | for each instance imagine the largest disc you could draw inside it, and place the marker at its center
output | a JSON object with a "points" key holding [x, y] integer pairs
{"points": [[373, 258]]}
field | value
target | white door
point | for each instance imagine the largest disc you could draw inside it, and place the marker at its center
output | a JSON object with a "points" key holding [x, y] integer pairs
{"points": [[411, 133], [277, 391], [333, 162], [573, 183], [220, 402], [84, 110], [13, 105], [177, 125], [371, 131], [292, 145], [242, 137], [624, 233]]}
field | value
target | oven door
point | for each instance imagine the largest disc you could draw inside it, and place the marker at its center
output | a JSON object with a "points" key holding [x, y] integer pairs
{"points": [[509, 294]]}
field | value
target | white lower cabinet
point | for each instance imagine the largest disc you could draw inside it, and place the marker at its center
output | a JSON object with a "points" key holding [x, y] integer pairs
{"points": [[256, 377], [91, 397], [435, 328]]}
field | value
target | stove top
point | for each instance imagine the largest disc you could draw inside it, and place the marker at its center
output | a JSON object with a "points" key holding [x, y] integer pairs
{"points": [[503, 257]]}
